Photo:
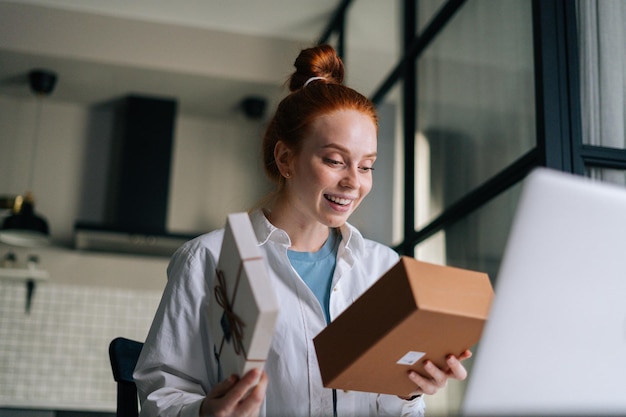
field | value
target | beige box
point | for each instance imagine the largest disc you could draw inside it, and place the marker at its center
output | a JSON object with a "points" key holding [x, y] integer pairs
{"points": [[415, 311], [243, 308]]}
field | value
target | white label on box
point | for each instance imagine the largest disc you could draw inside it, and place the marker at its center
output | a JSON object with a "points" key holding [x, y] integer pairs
{"points": [[410, 358]]}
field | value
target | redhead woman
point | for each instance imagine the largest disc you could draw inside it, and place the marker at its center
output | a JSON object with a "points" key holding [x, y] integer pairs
{"points": [[320, 150]]}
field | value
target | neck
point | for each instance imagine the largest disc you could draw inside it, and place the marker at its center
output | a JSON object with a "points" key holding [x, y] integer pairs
{"points": [[304, 236]]}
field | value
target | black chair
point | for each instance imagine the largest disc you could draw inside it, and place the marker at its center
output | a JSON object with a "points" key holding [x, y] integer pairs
{"points": [[124, 354]]}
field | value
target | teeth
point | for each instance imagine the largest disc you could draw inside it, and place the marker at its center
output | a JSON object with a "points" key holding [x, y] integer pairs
{"points": [[338, 200]]}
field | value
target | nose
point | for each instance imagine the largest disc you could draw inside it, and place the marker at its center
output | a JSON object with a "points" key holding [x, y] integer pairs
{"points": [[351, 178]]}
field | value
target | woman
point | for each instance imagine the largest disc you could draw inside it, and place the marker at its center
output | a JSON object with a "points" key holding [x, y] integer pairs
{"points": [[319, 148]]}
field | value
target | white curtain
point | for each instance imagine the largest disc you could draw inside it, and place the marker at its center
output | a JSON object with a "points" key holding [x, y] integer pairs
{"points": [[602, 40]]}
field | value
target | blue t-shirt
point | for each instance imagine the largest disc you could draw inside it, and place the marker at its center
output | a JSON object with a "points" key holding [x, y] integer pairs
{"points": [[317, 268]]}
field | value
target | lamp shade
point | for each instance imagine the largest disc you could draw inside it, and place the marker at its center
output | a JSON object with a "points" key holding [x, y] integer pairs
{"points": [[23, 227]]}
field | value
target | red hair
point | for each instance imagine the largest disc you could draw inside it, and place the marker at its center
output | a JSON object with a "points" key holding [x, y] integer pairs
{"points": [[308, 101]]}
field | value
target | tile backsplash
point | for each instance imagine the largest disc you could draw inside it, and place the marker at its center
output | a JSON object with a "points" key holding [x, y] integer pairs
{"points": [[56, 356]]}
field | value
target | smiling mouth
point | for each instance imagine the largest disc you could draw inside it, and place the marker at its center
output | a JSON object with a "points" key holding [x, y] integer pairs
{"points": [[338, 200]]}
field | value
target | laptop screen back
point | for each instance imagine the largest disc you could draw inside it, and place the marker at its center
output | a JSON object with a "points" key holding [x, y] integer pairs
{"points": [[555, 342]]}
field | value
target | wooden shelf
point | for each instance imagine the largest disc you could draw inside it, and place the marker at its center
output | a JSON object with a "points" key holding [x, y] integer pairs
{"points": [[24, 274]]}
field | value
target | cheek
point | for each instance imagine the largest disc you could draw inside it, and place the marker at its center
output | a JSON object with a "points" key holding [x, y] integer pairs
{"points": [[320, 177], [366, 186], [311, 183]]}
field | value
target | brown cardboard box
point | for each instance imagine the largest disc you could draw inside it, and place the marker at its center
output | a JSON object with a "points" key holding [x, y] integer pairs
{"points": [[415, 311]]}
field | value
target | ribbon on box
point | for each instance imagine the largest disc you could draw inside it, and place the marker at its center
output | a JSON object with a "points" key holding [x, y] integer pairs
{"points": [[232, 325]]}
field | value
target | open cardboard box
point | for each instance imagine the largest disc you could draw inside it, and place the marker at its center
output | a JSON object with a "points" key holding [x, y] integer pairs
{"points": [[415, 311], [242, 318]]}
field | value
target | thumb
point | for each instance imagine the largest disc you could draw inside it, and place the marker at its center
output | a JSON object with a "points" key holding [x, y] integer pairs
{"points": [[223, 387]]}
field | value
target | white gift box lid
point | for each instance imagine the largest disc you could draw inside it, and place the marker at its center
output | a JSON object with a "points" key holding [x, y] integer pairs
{"points": [[247, 296]]}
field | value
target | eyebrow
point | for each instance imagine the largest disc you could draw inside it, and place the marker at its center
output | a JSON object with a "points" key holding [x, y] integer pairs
{"points": [[342, 149]]}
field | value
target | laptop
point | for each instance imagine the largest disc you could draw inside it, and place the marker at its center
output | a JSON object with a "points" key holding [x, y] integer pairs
{"points": [[555, 341]]}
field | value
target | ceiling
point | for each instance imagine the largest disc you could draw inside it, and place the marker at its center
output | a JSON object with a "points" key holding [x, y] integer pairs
{"points": [[88, 82], [288, 19]]}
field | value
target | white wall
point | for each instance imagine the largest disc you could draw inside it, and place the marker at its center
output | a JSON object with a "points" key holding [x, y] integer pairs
{"points": [[216, 167], [90, 297], [57, 161], [217, 170], [211, 156]]}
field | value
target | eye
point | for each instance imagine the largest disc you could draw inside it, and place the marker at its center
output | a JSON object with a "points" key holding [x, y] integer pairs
{"points": [[366, 169], [333, 162]]}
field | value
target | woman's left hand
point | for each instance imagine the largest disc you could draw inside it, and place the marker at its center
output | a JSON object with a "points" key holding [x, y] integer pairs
{"points": [[439, 377]]}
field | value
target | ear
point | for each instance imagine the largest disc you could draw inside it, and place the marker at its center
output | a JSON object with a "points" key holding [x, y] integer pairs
{"points": [[283, 156]]}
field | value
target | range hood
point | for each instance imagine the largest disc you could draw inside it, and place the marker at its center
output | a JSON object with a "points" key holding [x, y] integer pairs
{"points": [[137, 191], [97, 238]]}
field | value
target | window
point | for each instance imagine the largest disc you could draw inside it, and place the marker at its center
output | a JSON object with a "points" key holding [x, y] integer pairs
{"points": [[602, 46], [475, 101]]}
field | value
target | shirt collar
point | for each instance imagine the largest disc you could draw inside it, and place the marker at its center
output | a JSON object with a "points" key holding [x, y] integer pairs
{"points": [[352, 242], [266, 231]]}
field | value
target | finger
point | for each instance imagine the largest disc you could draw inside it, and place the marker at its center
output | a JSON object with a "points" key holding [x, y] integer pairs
{"points": [[257, 394], [252, 377], [223, 387], [465, 355], [243, 386], [251, 405], [439, 376], [424, 385], [457, 369]]}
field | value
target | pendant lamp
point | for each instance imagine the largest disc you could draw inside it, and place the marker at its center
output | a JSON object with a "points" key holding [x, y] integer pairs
{"points": [[24, 227]]}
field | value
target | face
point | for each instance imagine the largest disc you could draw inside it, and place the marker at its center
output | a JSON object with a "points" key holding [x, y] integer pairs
{"points": [[332, 173]]}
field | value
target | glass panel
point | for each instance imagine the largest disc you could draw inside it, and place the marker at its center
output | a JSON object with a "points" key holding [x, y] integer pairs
{"points": [[426, 10], [614, 176], [602, 40], [333, 40], [384, 203], [477, 241], [372, 48], [476, 111]]}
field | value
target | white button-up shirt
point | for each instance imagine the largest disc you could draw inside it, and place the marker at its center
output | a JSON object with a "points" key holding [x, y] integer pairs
{"points": [[177, 367]]}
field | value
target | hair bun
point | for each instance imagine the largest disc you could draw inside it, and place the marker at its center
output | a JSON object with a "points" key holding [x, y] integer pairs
{"points": [[317, 63]]}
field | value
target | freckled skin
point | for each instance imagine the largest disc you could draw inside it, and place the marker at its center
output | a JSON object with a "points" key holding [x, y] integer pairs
{"points": [[328, 178]]}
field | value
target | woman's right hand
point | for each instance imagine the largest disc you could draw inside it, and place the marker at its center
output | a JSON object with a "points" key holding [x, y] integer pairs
{"points": [[236, 397]]}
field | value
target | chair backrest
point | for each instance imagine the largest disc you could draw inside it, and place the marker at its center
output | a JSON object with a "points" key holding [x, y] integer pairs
{"points": [[124, 354]]}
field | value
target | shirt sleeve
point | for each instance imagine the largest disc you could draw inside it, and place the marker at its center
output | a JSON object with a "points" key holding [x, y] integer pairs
{"points": [[176, 367], [391, 405]]}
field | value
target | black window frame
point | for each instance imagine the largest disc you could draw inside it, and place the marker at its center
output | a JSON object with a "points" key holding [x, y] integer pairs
{"points": [[558, 113]]}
